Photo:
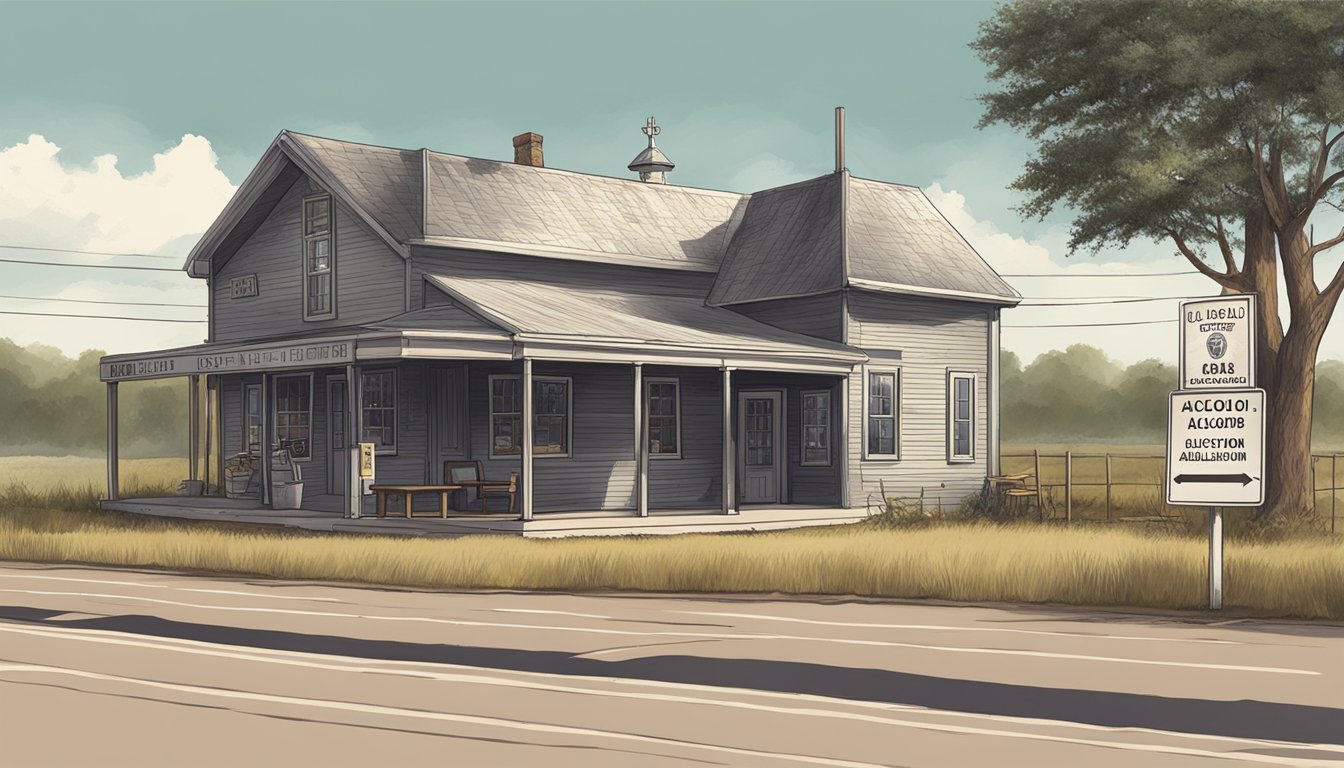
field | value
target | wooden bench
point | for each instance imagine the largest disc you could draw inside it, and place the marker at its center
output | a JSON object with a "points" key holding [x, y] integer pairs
{"points": [[406, 491]]}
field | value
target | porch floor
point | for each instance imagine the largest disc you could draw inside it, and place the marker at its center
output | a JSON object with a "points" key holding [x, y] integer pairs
{"points": [[320, 516]]}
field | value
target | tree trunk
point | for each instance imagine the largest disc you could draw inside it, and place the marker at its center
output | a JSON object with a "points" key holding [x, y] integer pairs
{"points": [[1289, 495]]}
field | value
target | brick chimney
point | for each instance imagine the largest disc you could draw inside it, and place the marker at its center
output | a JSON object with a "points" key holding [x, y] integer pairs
{"points": [[527, 150]]}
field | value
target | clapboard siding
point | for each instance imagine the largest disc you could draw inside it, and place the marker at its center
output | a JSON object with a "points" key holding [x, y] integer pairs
{"points": [[230, 414], [370, 276], [599, 473], [453, 261], [820, 316], [932, 338]]}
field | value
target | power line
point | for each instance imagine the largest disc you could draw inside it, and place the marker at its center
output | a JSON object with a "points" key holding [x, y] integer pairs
{"points": [[1093, 325], [100, 317], [89, 266], [93, 301], [1082, 302], [1109, 274], [90, 253]]}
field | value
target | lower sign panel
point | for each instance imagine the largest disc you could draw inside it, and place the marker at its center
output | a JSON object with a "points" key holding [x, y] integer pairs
{"points": [[1216, 448]]}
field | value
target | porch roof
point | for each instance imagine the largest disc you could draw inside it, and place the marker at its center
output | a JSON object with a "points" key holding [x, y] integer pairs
{"points": [[631, 325]]}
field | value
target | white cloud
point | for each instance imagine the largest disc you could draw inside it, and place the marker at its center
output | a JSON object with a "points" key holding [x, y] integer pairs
{"points": [[47, 203], [97, 208]]}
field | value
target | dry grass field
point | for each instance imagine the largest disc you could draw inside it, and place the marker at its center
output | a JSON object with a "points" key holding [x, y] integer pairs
{"points": [[43, 473], [951, 559]]}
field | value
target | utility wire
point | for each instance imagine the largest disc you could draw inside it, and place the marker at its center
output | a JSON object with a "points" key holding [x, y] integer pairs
{"points": [[92, 301], [89, 266], [1082, 302], [1093, 325], [90, 253], [1110, 274], [100, 317]]}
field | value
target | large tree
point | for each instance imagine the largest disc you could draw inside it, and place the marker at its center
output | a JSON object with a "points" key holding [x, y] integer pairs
{"points": [[1213, 126]]}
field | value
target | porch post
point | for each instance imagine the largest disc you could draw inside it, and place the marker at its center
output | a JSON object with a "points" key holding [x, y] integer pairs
{"points": [[729, 455], [641, 446], [208, 446], [267, 427], [842, 443], [112, 481], [194, 430], [354, 492], [525, 470], [993, 426]]}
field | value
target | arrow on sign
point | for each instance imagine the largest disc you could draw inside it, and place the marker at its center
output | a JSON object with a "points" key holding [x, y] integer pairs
{"points": [[1243, 478]]}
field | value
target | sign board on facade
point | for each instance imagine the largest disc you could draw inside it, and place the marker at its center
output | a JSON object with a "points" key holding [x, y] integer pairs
{"points": [[258, 357], [366, 467], [1216, 448], [1218, 342], [243, 286]]}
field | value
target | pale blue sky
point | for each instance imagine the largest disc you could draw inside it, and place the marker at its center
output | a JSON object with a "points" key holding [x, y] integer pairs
{"points": [[744, 91]]}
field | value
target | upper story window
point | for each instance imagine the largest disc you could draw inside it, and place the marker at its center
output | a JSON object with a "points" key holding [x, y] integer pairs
{"points": [[882, 415], [319, 259], [960, 416]]}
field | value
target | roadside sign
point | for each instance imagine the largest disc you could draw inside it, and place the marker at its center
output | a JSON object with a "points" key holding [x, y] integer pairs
{"points": [[366, 461], [1216, 448], [1218, 342]]}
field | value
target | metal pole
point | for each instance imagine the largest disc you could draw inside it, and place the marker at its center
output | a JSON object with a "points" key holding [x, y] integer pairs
{"points": [[1215, 558], [113, 486], [354, 486], [1108, 487], [528, 416], [267, 434], [1068, 486], [1334, 491]]}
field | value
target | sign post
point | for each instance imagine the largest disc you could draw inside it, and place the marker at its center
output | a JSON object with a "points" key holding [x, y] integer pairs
{"points": [[1216, 421]]}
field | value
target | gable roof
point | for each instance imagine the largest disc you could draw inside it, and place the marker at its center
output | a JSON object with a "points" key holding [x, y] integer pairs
{"points": [[802, 239], [837, 231]]}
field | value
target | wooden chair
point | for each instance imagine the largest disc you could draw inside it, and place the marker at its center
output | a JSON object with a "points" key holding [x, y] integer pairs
{"points": [[469, 474]]}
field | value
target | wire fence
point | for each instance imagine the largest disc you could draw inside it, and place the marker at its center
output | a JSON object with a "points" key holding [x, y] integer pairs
{"points": [[1131, 486]]}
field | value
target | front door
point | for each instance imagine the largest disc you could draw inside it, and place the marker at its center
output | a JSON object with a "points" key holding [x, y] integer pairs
{"points": [[338, 447], [759, 454]]}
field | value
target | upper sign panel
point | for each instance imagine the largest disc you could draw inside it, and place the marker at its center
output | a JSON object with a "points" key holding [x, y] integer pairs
{"points": [[1218, 342]]}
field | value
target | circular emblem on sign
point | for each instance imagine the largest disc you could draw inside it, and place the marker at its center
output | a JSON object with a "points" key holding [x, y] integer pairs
{"points": [[1217, 344]]}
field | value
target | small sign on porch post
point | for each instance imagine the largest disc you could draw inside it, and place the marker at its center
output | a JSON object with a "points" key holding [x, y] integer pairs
{"points": [[366, 467]]}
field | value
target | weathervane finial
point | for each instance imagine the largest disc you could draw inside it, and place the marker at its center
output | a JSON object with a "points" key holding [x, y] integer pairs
{"points": [[651, 129]]}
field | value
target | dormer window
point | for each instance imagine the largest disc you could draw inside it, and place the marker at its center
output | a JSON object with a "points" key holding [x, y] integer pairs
{"points": [[319, 259]]}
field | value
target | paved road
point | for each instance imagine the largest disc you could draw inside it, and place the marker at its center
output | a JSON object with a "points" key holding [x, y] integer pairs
{"points": [[126, 668]]}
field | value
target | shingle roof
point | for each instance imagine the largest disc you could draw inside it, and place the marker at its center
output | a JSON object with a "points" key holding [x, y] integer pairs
{"points": [[509, 204], [541, 309], [897, 236], [787, 241], [788, 244]]}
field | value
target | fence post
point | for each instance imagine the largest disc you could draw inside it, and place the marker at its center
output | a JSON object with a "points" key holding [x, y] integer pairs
{"points": [[1314, 493], [1334, 494], [1068, 486], [1108, 487], [1036, 462]]}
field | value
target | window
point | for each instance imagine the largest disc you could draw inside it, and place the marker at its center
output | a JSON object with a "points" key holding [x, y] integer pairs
{"points": [[882, 410], [378, 402], [551, 415], [294, 412], [551, 412], [960, 416], [252, 420], [817, 428], [664, 417], [319, 257]]}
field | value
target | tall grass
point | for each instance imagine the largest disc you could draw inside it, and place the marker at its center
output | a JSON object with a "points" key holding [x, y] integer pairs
{"points": [[967, 561]]}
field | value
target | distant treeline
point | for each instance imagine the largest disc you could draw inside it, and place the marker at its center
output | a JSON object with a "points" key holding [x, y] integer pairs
{"points": [[1080, 395], [53, 405]]}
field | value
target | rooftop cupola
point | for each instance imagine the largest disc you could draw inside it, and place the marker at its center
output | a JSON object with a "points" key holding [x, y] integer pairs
{"points": [[651, 164]]}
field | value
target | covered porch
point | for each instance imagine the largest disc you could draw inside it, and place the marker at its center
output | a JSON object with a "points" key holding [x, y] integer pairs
{"points": [[552, 525]]}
